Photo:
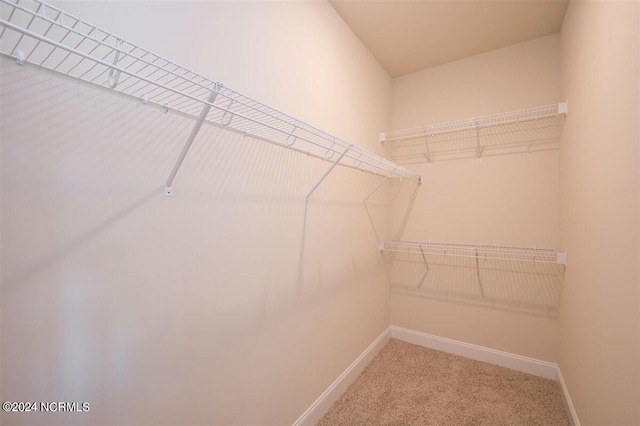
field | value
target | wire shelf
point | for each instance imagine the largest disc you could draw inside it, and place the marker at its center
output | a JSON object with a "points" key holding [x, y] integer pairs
{"points": [[477, 251], [514, 278], [524, 130], [38, 33], [487, 121]]}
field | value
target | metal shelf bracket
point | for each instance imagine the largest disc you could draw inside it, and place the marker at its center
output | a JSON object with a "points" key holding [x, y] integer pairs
{"points": [[168, 191], [378, 186], [324, 176], [563, 108], [114, 76], [426, 144], [19, 57], [428, 271], [562, 258], [478, 147]]}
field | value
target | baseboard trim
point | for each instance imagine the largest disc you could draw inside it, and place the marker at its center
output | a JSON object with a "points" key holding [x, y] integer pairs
{"points": [[340, 385], [532, 366], [573, 416]]}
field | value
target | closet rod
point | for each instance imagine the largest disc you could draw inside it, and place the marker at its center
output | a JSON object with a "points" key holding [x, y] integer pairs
{"points": [[46, 36], [477, 251]]}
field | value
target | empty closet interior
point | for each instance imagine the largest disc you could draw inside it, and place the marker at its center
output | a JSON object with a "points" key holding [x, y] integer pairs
{"points": [[219, 212]]}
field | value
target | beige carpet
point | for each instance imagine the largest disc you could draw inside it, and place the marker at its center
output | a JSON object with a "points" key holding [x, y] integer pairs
{"points": [[411, 385]]}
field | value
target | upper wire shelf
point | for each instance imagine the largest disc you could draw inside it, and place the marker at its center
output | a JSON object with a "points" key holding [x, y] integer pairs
{"points": [[528, 129], [477, 251], [36, 32]]}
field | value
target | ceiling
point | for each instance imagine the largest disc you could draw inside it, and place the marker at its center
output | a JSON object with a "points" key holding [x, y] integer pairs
{"points": [[408, 36]]}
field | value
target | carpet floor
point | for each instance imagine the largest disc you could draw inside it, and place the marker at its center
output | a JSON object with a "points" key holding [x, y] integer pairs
{"points": [[411, 385]]}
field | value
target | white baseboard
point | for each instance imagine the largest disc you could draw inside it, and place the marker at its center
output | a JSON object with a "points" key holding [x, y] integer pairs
{"points": [[532, 366], [573, 416], [340, 385]]}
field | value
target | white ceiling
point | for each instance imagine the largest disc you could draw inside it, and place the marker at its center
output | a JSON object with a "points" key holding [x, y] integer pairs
{"points": [[408, 36]]}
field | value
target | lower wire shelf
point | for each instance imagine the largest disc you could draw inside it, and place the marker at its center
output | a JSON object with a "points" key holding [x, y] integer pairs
{"points": [[501, 277], [478, 251]]}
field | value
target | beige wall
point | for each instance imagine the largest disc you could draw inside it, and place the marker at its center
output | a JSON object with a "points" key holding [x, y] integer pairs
{"points": [[599, 351], [223, 304], [507, 199]]}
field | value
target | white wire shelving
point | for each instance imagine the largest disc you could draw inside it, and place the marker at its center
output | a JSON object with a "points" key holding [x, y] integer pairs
{"points": [[477, 251], [508, 130], [35, 32], [520, 278]]}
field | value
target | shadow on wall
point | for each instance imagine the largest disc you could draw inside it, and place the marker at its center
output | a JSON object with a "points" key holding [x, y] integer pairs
{"points": [[532, 288], [81, 170], [77, 243], [519, 138], [403, 198]]}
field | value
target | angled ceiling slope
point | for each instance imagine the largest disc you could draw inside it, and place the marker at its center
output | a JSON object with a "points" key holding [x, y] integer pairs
{"points": [[408, 36]]}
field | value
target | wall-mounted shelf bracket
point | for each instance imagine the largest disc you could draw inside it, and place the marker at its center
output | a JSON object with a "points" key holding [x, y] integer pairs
{"points": [[562, 258], [563, 108], [168, 191], [424, 258], [114, 75], [426, 143], [478, 147], [378, 186], [19, 57], [478, 273], [324, 176]]}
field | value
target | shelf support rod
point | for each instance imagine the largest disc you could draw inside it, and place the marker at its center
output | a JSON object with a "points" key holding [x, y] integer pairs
{"points": [[379, 185], [477, 266], [114, 76], [168, 190], [324, 176], [478, 147], [425, 260], [478, 273], [426, 143], [427, 265]]}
